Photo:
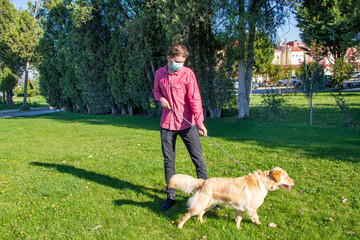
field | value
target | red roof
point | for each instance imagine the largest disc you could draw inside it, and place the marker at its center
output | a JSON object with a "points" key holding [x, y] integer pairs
{"points": [[296, 49]]}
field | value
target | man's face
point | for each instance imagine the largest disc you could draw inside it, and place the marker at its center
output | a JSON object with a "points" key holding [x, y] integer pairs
{"points": [[177, 59]]}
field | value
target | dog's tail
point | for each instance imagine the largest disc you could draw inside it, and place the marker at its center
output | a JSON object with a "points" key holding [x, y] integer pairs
{"points": [[185, 183]]}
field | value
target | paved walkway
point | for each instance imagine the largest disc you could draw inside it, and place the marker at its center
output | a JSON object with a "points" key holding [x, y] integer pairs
{"points": [[351, 90], [32, 111]]}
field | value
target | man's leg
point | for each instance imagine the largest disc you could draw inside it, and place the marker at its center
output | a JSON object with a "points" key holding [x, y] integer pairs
{"points": [[168, 142], [192, 142]]}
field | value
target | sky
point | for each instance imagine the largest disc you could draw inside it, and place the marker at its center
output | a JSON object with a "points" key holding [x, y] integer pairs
{"points": [[289, 32], [20, 4]]}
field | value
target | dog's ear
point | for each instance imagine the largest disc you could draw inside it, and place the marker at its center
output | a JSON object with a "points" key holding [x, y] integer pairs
{"points": [[276, 174]]}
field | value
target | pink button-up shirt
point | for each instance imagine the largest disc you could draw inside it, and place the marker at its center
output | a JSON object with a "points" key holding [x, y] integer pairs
{"points": [[181, 90]]}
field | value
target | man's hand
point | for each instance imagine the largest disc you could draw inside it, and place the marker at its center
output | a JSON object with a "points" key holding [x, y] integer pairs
{"points": [[164, 103], [203, 131]]}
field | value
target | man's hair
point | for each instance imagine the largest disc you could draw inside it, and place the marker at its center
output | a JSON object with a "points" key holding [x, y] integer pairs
{"points": [[178, 50]]}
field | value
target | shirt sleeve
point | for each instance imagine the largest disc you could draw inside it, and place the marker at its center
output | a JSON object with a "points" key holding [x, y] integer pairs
{"points": [[194, 97], [157, 90]]}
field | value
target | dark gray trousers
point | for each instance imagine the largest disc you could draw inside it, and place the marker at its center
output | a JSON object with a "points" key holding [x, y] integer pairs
{"points": [[191, 139]]}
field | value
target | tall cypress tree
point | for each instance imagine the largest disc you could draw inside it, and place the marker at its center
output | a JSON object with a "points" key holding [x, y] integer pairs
{"points": [[53, 67]]}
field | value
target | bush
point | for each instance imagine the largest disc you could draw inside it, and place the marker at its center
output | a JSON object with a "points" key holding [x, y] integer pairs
{"points": [[32, 92], [273, 104], [345, 110]]}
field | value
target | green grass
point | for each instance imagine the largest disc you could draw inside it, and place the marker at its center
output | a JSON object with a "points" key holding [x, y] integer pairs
{"points": [[64, 174], [32, 102]]}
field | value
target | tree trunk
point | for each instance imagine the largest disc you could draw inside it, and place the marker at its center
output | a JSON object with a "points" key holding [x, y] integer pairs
{"points": [[311, 110], [131, 110], [215, 112], [311, 98], [246, 69], [9, 98], [151, 61], [28, 63], [26, 85], [242, 103], [114, 110]]}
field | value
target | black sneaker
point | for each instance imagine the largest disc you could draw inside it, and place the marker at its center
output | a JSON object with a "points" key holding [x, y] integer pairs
{"points": [[168, 204], [217, 207]]}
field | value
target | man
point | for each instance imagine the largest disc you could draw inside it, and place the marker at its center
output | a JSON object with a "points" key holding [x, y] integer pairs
{"points": [[176, 87]]}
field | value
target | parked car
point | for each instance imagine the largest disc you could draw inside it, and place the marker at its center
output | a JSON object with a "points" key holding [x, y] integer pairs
{"points": [[297, 83], [329, 81], [282, 82], [255, 85], [355, 74], [264, 84], [292, 81]]}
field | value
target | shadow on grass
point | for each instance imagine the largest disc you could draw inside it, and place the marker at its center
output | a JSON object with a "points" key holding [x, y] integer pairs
{"points": [[115, 183], [135, 122], [176, 211]]}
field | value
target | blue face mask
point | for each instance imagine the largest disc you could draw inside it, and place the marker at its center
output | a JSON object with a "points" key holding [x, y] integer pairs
{"points": [[176, 66]]}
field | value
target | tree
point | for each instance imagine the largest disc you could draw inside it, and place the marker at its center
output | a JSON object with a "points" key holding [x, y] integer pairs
{"points": [[264, 52], [333, 24], [341, 71], [8, 81], [18, 41], [239, 22], [86, 49], [137, 49], [273, 71], [75, 47], [9, 62], [53, 65], [24, 42], [312, 77], [99, 55], [196, 31], [9, 22]]}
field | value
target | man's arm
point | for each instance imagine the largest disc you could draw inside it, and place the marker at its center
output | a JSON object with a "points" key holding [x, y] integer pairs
{"points": [[194, 97]]}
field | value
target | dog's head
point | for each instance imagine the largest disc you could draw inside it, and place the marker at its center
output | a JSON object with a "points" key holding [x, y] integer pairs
{"points": [[281, 179], [276, 178]]}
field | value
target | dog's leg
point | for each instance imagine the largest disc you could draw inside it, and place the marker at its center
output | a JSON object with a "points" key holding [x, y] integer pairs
{"points": [[253, 216], [198, 206], [184, 219], [189, 214], [200, 215], [238, 218]]}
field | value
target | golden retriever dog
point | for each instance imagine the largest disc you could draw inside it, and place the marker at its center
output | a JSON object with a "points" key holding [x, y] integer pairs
{"points": [[245, 193]]}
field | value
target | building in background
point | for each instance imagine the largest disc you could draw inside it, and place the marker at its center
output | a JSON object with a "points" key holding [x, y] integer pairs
{"points": [[293, 54]]}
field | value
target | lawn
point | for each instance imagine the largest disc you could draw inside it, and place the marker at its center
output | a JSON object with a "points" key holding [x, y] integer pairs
{"points": [[76, 176], [32, 102]]}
